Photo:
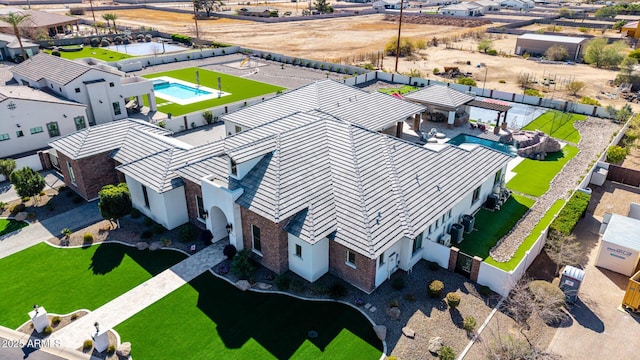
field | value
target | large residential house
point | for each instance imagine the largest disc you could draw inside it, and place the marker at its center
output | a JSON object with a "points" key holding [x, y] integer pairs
{"points": [[10, 47], [518, 4], [462, 9], [307, 191], [104, 89]]}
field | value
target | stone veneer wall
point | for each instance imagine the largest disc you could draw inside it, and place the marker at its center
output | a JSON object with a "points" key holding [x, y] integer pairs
{"points": [[273, 240], [91, 173], [192, 189], [362, 276]]}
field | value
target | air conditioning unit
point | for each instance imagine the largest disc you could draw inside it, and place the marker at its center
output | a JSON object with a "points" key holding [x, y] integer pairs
{"points": [[445, 240]]}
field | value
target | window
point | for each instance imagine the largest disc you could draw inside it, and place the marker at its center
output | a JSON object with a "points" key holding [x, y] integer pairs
{"points": [[19, 133], [26, 83], [77, 90], [60, 89], [200, 205], [35, 130], [53, 129], [111, 84], [71, 175], [498, 177], [255, 235], [351, 258], [238, 129], [430, 229], [417, 244], [444, 218], [4, 137], [234, 168], [116, 108], [298, 251], [476, 195], [381, 260], [145, 195], [80, 124]]}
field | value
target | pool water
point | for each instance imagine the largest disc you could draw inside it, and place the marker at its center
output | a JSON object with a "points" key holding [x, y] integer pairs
{"points": [[468, 139], [146, 48], [175, 90]]}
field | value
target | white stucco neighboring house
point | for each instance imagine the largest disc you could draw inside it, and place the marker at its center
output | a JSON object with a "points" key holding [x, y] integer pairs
{"points": [[518, 4], [104, 89], [462, 9], [10, 47], [390, 4]]}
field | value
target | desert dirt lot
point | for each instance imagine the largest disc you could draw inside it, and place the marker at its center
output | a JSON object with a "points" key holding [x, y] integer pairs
{"points": [[337, 39]]}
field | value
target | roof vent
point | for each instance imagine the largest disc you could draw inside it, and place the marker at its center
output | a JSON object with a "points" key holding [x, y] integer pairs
{"points": [[418, 178], [438, 187], [379, 218]]}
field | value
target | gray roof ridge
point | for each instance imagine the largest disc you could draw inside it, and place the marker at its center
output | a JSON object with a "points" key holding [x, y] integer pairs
{"points": [[312, 227], [356, 168], [396, 187], [277, 194]]}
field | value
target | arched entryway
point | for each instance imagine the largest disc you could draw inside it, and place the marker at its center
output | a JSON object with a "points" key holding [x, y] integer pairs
{"points": [[218, 223]]}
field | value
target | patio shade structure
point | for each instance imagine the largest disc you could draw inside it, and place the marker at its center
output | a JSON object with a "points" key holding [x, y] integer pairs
{"points": [[490, 104]]}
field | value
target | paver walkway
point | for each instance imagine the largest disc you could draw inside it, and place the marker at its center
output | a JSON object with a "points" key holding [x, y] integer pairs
{"points": [[40, 231], [138, 298]]}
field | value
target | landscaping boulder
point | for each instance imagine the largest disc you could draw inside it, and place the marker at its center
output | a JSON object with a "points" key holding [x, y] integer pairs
{"points": [[408, 332], [394, 313], [435, 343], [156, 245], [243, 285], [141, 245], [263, 286], [21, 216], [381, 331], [124, 350]]}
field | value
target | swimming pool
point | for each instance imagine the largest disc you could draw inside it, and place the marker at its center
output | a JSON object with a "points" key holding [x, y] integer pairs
{"points": [[469, 139], [146, 48], [179, 91]]}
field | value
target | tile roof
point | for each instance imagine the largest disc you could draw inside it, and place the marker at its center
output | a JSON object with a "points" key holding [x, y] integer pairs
{"points": [[54, 68], [38, 18], [28, 93], [440, 95], [101, 138]]}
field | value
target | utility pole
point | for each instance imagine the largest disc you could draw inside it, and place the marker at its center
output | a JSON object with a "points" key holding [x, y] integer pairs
{"points": [[399, 30]]}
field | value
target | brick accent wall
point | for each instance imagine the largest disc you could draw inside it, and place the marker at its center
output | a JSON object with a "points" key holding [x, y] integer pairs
{"points": [[91, 173], [192, 189], [362, 276], [453, 258], [273, 240], [475, 268]]}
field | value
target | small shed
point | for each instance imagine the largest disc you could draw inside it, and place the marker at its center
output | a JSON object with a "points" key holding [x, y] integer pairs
{"points": [[538, 44], [620, 245]]}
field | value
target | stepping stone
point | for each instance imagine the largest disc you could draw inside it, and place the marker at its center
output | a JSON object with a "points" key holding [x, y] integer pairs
{"points": [[263, 286], [124, 350], [243, 285], [373, 309], [408, 332], [142, 245], [367, 306]]}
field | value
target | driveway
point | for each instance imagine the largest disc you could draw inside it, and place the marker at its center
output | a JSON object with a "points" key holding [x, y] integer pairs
{"points": [[599, 329]]}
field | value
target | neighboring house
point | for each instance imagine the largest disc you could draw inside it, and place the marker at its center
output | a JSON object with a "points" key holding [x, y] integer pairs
{"points": [[423, 3], [40, 23], [259, 11], [453, 104], [307, 191], [390, 4], [518, 4], [10, 47], [490, 5], [30, 119], [631, 29], [462, 9], [103, 88], [537, 44]]}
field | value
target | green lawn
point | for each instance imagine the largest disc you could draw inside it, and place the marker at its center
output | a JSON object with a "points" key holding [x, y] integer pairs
{"points": [[528, 242], [8, 226], [534, 176], [209, 318], [97, 53], [65, 280], [239, 88], [405, 89], [492, 226], [558, 125]]}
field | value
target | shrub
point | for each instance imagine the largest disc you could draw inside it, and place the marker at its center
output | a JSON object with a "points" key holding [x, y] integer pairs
{"points": [[484, 290], [135, 213], [493, 52], [14, 209], [317, 289], [433, 266], [241, 264], [111, 349], [42, 193], [87, 237], [25, 199], [297, 285], [186, 233], [466, 81], [446, 352], [571, 213], [282, 282], [181, 38], [74, 317], [469, 323], [501, 81], [409, 297], [76, 10], [436, 71], [3, 205], [229, 251], [435, 288], [158, 229], [166, 241], [87, 345], [453, 300], [616, 154], [147, 221], [337, 290], [55, 53], [208, 116], [162, 124], [398, 283], [146, 234], [66, 232], [47, 331], [394, 303], [532, 92], [589, 101], [55, 320]]}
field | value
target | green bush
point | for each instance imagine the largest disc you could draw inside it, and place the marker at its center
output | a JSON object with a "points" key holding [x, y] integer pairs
{"points": [[111, 349], [146, 234], [337, 290], [25, 199], [453, 300], [87, 237], [74, 317], [436, 71], [66, 232], [409, 297], [435, 288], [241, 264], [533, 92], [158, 229], [616, 154], [147, 221], [55, 320], [469, 323], [186, 233], [446, 353], [3, 205], [181, 38], [47, 331], [570, 213], [484, 290], [282, 282], [502, 81], [466, 81], [135, 213], [398, 283], [208, 116], [166, 241], [493, 52], [87, 345], [589, 101], [14, 209]]}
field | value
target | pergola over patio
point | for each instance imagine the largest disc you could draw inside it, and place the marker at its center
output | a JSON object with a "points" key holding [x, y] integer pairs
{"points": [[495, 105], [443, 101], [38, 21]]}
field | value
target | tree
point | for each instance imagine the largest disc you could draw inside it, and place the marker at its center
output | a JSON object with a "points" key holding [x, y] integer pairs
{"points": [[6, 167], [209, 6], [107, 18], [614, 54], [115, 202], [606, 12], [562, 249], [323, 7], [598, 53], [575, 87], [627, 67], [618, 25], [557, 53], [27, 182], [621, 115], [15, 19], [485, 45]]}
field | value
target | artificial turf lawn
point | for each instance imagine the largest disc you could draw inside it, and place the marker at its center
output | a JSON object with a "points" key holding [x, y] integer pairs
{"points": [[65, 280], [558, 125], [489, 227], [96, 53], [8, 226], [211, 319], [529, 240], [534, 176], [405, 89], [239, 88]]}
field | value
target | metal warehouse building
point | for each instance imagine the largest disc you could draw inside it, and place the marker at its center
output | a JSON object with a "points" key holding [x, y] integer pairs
{"points": [[537, 44]]}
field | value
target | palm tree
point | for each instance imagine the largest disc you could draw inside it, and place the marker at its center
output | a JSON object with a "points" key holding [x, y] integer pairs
{"points": [[107, 18], [15, 19], [113, 18]]}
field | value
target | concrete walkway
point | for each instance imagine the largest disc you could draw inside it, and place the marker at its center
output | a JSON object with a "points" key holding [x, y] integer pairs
{"points": [[138, 298], [38, 232], [18, 346]]}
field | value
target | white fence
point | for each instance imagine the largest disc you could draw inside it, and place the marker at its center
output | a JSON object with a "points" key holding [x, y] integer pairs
{"points": [[437, 253], [131, 63]]}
